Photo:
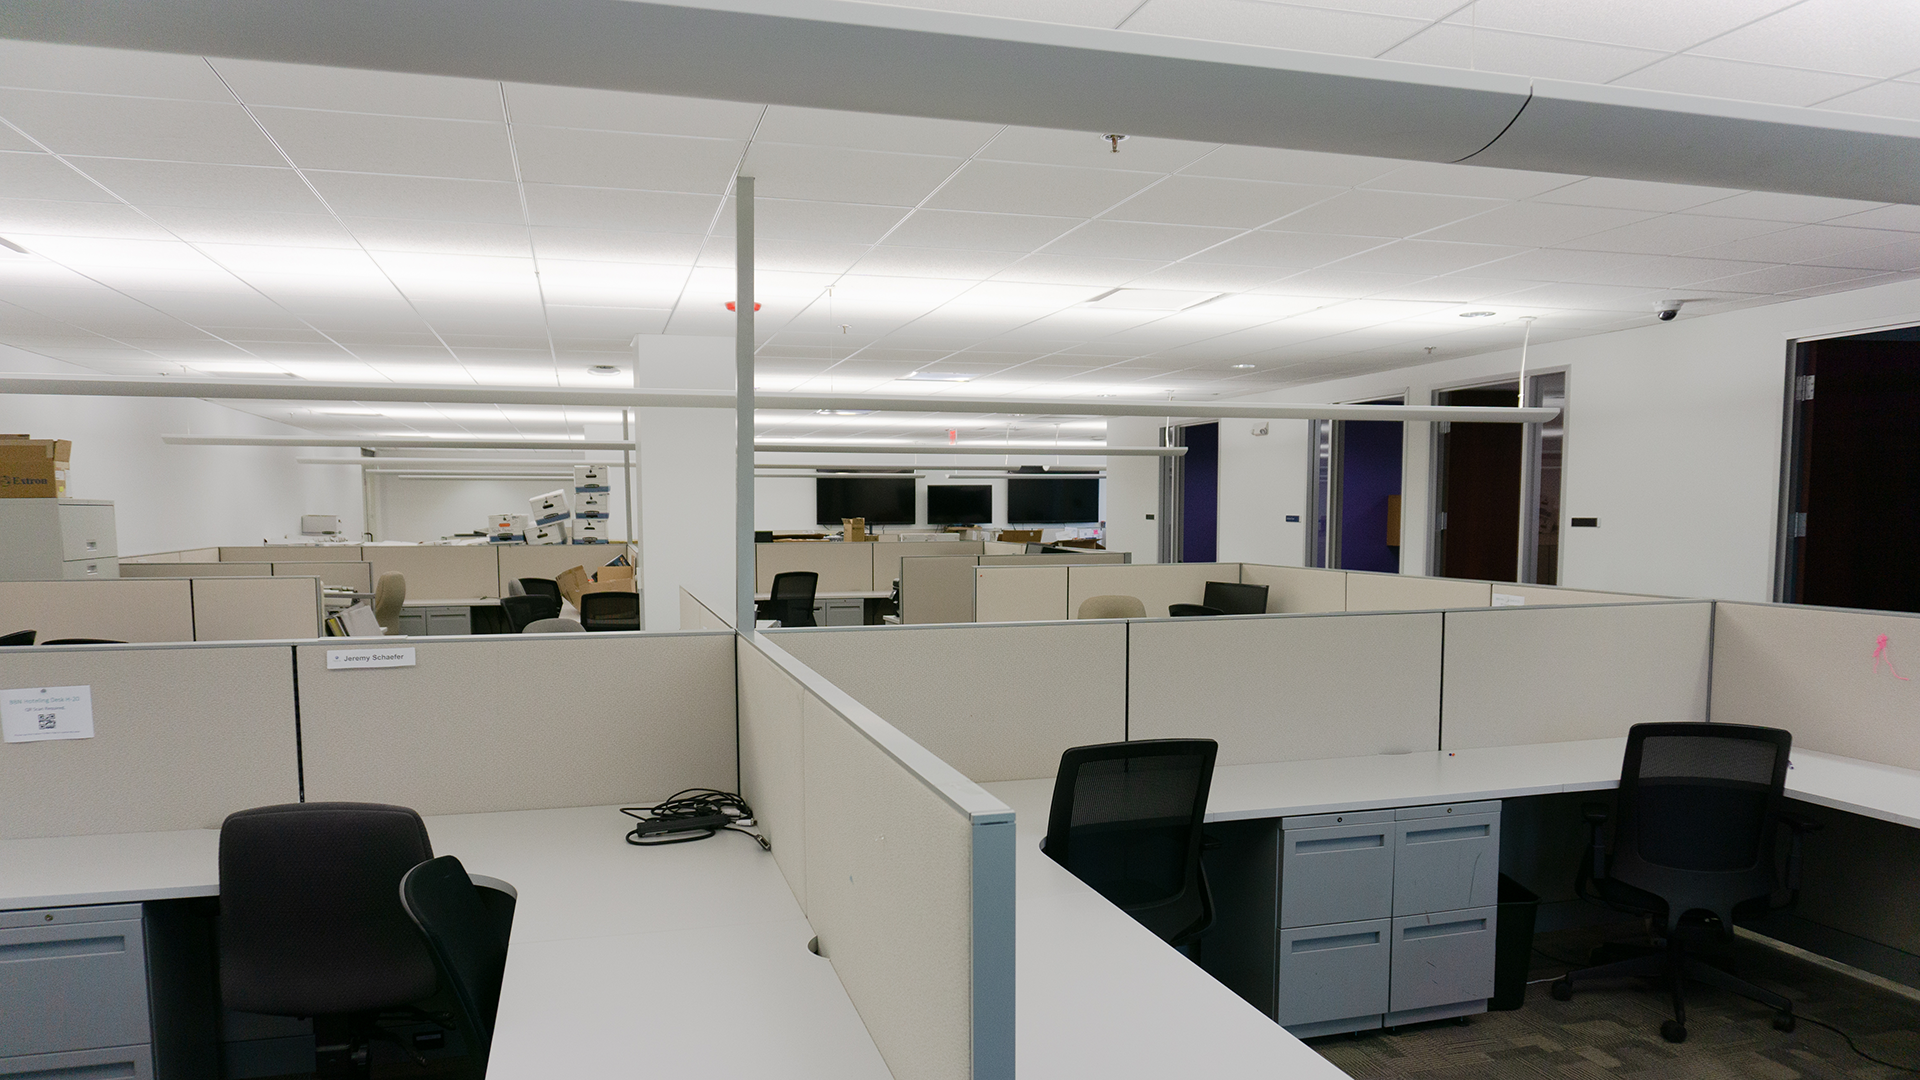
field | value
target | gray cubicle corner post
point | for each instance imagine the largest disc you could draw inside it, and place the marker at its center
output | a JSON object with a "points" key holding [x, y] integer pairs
{"points": [[993, 900]]}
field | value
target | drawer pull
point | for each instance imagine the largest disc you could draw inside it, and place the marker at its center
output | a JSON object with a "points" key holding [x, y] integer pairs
{"points": [[1338, 941], [1457, 832], [57, 950], [1464, 926], [77, 1072], [1340, 843]]}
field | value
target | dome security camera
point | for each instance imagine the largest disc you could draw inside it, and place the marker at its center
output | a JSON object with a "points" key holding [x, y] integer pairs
{"points": [[1667, 309]]}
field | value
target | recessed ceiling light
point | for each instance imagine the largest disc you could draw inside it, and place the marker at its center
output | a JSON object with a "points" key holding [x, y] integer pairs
{"points": [[603, 369], [937, 376], [1243, 367], [8, 245], [1475, 314]]}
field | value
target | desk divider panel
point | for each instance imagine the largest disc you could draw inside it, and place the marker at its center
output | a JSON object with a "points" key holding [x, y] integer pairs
{"points": [[937, 588], [441, 571], [1298, 589], [995, 702], [842, 567], [696, 615], [1156, 585], [772, 776], [1527, 675], [909, 874], [1289, 687], [294, 553], [1822, 674], [887, 556], [521, 722], [183, 736], [549, 560], [256, 608], [1400, 592], [357, 576], [124, 609], [1542, 595], [196, 569], [1019, 593]]}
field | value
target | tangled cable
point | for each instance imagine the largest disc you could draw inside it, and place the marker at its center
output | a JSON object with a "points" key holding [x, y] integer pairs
{"points": [[692, 814]]}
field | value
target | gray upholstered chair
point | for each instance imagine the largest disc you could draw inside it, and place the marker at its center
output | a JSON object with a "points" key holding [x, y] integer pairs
{"points": [[1112, 607], [389, 594]]}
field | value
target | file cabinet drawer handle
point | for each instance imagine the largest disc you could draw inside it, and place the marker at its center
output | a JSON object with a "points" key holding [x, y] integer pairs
{"points": [[1457, 832], [57, 950], [1340, 843], [1464, 926], [1338, 941]]}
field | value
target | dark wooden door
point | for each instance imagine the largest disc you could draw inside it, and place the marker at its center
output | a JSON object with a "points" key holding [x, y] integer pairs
{"points": [[1479, 492]]}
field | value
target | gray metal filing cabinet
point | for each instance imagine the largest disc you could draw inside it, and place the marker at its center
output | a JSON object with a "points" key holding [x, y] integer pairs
{"points": [[435, 621], [73, 993], [840, 611], [1347, 921], [55, 539]]}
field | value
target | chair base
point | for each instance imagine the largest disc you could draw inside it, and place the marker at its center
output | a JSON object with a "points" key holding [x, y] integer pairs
{"points": [[1674, 965]]}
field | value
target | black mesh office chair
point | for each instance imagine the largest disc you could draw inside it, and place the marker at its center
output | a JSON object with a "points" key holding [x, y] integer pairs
{"points": [[540, 586], [610, 611], [1695, 849], [310, 918], [791, 598], [18, 637], [523, 610], [1126, 820], [1189, 610], [468, 939]]}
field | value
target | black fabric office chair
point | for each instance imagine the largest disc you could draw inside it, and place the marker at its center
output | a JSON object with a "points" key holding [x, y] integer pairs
{"points": [[1126, 820], [523, 610], [1188, 610], [467, 939], [18, 637], [310, 918], [83, 641], [610, 611], [540, 586], [791, 598], [1695, 849]]}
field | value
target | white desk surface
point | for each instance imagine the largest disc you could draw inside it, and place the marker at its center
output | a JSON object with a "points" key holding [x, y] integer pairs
{"points": [[825, 595]]}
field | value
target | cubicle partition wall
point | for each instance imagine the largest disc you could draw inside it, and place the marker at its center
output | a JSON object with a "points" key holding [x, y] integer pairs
{"points": [[292, 553], [1288, 688], [206, 554], [121, 609], [937, 588], [996, 702], [183, 735], [903, 866], [1157, 585], [546, 561], [520, 722], [181, 569], [1298, 589], [1400, 592], [1558, 674], [887, 557], [1019, 593], [696, 615], [439, 572], [357, 576], [842, 567], [257, 609]]}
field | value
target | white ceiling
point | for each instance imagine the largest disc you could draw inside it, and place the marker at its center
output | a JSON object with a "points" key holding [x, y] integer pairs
{"points": [[247, 218]]}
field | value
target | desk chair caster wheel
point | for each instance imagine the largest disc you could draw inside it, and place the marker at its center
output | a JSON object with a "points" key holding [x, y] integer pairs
{"points": [[1562, 989], [1673, 1031], [1783, 1021]]}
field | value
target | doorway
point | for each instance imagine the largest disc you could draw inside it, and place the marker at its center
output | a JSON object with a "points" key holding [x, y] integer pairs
{"points": [[1356, 501], [1480, 486], [1851, 532], [1190, 494]]}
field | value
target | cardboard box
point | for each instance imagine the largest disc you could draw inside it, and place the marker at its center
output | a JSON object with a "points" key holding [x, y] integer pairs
{"points": [[588, 530], [607, 574], [591, 504], [551, 507], [590, 478], [33, 468], [853, 530], [555, 533], [575, 583]]}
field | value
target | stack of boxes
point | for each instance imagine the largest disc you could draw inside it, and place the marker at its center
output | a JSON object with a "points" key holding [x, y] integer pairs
{"points": [[548, 524], [33, 468], [590, 504], [508, 528]]}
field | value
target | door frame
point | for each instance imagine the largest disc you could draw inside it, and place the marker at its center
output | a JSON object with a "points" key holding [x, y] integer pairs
{"points": [[1323, 493], [1530, 451]]}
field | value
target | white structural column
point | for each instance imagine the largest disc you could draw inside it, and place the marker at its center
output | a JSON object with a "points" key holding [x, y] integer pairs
{"points": [[743, 550], [684, 483], [1133, 489]]}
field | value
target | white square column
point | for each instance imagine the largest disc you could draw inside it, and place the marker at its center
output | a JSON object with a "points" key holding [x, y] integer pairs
{"points": [[684, 483]]}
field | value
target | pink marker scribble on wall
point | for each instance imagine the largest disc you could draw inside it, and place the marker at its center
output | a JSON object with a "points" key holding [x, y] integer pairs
{"points": [[1880, 654]]}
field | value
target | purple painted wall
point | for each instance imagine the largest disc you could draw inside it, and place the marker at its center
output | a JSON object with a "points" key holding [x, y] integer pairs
{"points": [[1369, 472], [1200, 492]]}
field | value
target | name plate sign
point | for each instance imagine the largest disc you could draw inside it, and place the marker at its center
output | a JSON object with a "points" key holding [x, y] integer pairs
{"points": [[348, 659]]}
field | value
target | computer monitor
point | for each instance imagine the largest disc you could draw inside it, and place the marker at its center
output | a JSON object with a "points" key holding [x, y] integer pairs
{"points": [[882, 500], [959, 504], [1233, 598]]}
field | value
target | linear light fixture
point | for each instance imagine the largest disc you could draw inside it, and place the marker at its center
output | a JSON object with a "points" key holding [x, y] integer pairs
{"points": [[762, 447], [945, 448], [452, 463]]}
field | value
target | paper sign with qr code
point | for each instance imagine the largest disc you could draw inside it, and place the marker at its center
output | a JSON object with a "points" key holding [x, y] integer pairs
{"points": [[36, 714]]}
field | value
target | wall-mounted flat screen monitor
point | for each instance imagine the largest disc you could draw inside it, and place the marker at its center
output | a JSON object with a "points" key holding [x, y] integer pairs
{"points": [[959, 504], [1048, 502], [882, 500]]}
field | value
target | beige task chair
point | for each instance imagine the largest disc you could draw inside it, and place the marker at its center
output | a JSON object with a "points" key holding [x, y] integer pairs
{"points": [[1112, 607], [389, 593]]}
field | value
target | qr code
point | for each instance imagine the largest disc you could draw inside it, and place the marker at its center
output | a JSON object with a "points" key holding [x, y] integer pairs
{"points": [[48, 721]]}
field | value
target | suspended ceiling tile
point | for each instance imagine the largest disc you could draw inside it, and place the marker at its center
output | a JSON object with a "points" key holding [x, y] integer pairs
{"points": [[157, 129], [108, 71], [1300, 250], [1633, 194], [873, 131], [1290, 166], [1341, 284], [398, 145], [1384, 213], [794, 219], [418, 198], [1863, 37], [1672, 234], [1457, 44], [1256, 23], [625, 160], [36, 175], [447, 237], [1712, 77], [614, 208], [592, 244], [897, 261], [1425, 257], [1780, 279], [978, 231], [1239, 204], [1207, 277], [1901, 99], [1806, 243], [209, 225], [1020, 188], [1645, 24], [1531, 224], [1138, 240], [1090, 149], [1775, 206], [23, 218], [613, 110], [1438, 178], [836, 174], [303, 86], [1904, 255]]}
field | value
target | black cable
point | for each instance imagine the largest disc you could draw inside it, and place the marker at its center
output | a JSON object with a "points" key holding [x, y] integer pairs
{"points": [[1855, 1047], [694, 803]]}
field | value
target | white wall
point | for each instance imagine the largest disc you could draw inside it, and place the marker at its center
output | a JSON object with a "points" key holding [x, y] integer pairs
{"points": [[685, 482], [433, 509], [1263, 480], [1133, 489], [172, 497], [1673, 442]]}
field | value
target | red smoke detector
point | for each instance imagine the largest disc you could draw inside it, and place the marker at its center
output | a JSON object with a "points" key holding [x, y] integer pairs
{"points": [[731, 306]]}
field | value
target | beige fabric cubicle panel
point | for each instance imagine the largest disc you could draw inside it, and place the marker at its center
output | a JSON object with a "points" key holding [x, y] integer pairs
{"points": [[126, 609], [294, 553], [842, 567], [1019, 593], [439, 571], [696, 615], [158, 761], [357, 576], [1813, 671], [937, 588], [1399, 592], [1298, 589], [890, 894], [549, 560], [196, 569], [771, 765], [1058, 558], [1541, 595], [522, 722], [1157, 585], [1289, 688], [1559, 674], [886, 557], [256, 609], [996, 703]]}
